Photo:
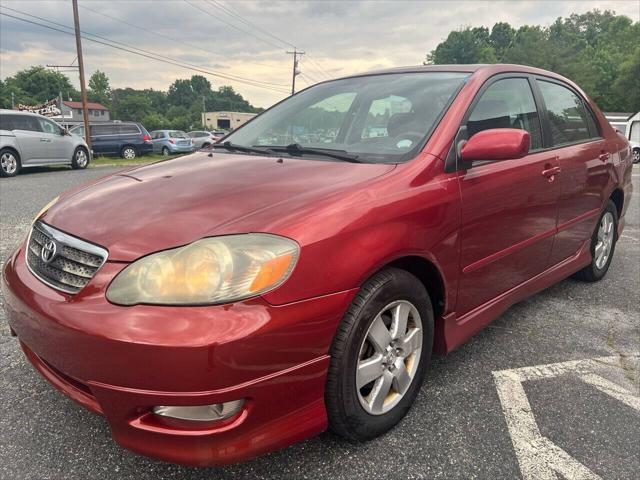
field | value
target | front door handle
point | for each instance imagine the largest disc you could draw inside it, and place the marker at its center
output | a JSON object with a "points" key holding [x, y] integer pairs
{"points": [[45, 139], [604, 156], [551, 172]]}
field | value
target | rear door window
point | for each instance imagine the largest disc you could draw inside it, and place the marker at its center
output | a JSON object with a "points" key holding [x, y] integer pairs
{"points": [[566, 112], [507, 103]]}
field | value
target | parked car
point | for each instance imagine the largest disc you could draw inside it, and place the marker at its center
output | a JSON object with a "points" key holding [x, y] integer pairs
{"points": [[31, 140], [124, 139], [228, 306], [204, 139], [169, 142]]}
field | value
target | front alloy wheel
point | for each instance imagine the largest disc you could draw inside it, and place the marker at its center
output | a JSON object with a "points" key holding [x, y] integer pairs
{"points": [[9, 163], [80, 159], [379, 355], [389, 357]]}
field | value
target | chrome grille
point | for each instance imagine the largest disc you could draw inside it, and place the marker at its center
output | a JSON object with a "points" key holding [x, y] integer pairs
{"points": [[68, 262]]}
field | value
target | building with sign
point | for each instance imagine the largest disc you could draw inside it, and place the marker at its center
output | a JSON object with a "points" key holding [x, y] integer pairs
{"points": [[225, 120]]}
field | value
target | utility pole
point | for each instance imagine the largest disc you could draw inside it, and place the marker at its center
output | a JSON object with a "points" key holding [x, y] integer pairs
{"points": [[13, 101], [296, 72], [83, 88]]}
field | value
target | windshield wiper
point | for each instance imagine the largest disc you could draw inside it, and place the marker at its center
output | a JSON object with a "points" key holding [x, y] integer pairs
{"points": [[241, 148], [297, 149]]}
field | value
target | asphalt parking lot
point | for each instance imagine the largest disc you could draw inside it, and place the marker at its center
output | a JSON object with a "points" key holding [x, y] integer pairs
{"points": [[549, 390]]}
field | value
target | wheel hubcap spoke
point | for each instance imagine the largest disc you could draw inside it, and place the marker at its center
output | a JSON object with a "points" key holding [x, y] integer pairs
{"points": [[379, 335], [369, 370], [380, 392], [412, 341], [400, 318], [401, 378]]}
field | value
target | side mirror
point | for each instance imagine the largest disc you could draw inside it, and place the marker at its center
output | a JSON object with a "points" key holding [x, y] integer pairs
{"points": [[64, 131], [496, 144]]}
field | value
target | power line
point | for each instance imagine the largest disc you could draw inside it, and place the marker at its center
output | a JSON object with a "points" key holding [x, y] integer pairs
{"points": [[318, 68], [162, 35], [232, 25], [248, 22], [150, 56]]}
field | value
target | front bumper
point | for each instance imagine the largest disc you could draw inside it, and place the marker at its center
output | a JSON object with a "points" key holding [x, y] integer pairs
{"points": [[122, 361]]}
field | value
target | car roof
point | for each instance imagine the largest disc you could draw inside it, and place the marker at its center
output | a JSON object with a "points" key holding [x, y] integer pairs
{"points": [[4, 111], [489, 69]]}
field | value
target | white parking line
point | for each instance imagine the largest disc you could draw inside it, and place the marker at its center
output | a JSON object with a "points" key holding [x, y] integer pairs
{"points": [[539, 458]]}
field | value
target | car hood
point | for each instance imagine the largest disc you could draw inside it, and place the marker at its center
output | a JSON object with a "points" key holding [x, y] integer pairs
{"points": [[175, 202]]}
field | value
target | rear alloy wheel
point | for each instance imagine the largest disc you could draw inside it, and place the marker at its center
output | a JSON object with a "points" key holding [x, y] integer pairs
{"points": [[165, 151], [379, 356], [129, 153], [636, 155], [603, 244], [9, 163], [80, 159]]}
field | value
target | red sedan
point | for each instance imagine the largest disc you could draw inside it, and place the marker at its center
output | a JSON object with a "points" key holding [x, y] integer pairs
{"points": [[217, 307]]}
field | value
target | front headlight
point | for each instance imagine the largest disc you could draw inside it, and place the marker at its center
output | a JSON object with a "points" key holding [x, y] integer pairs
{"points": [[44, 209], [211, 270]]}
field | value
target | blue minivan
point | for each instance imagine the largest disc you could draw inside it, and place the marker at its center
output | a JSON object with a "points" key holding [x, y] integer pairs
{"points": [[125, 139]]}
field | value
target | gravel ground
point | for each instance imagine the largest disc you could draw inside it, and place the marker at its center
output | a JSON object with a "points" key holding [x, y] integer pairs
{"points": [[457, 428]]}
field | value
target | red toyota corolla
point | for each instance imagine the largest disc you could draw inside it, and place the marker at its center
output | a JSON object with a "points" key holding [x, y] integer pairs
{"points": [[219, 306]]}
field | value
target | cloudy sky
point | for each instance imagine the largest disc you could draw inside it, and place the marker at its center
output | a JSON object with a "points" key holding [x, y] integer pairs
{"points": [[248, 39]]}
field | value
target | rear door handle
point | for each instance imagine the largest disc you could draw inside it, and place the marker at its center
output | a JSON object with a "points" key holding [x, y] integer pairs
{"points": [[45, 139], [604, 156], [550, 172]]}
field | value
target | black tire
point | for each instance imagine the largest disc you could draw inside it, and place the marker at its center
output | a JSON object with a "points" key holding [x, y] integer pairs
{"points": [[205, 145], [347, 417], [636, 155], [591, 273], [165, 151], [10, 163], [128, 152], [80, 159]]}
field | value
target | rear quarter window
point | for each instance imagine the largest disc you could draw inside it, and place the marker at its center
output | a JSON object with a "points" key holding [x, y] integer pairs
{"points": [[103, 130], [128, 129], [6, 122]]}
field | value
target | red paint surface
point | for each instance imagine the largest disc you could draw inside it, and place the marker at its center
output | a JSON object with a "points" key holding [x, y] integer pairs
{"points": [[494, 233]]}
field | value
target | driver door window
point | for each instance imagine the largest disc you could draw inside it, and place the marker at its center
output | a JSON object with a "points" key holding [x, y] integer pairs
{"points": [[507, 103]]}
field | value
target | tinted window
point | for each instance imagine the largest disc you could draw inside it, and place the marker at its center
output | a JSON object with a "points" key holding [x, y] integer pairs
{"points": [[6, 122], [25, 122], [128, 129], [103, 130], [567, 117], [507, 103]]}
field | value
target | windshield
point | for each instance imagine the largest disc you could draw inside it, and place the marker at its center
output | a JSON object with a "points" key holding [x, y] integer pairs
{"points": [[380, 118]]}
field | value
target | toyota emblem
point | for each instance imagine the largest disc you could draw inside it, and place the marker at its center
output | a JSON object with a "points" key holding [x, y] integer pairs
{"points": [[48, 252]]}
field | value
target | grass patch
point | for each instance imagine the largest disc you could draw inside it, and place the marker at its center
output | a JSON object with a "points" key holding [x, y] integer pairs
{"points": [[123, 162]]}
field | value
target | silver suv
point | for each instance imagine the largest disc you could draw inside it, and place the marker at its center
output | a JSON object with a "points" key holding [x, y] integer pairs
{"points": [[31, 140]]}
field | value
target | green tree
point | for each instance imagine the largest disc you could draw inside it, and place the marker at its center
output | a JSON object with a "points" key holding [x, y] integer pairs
{"points": [[35, 85], [99, 88], [598, 50]]}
